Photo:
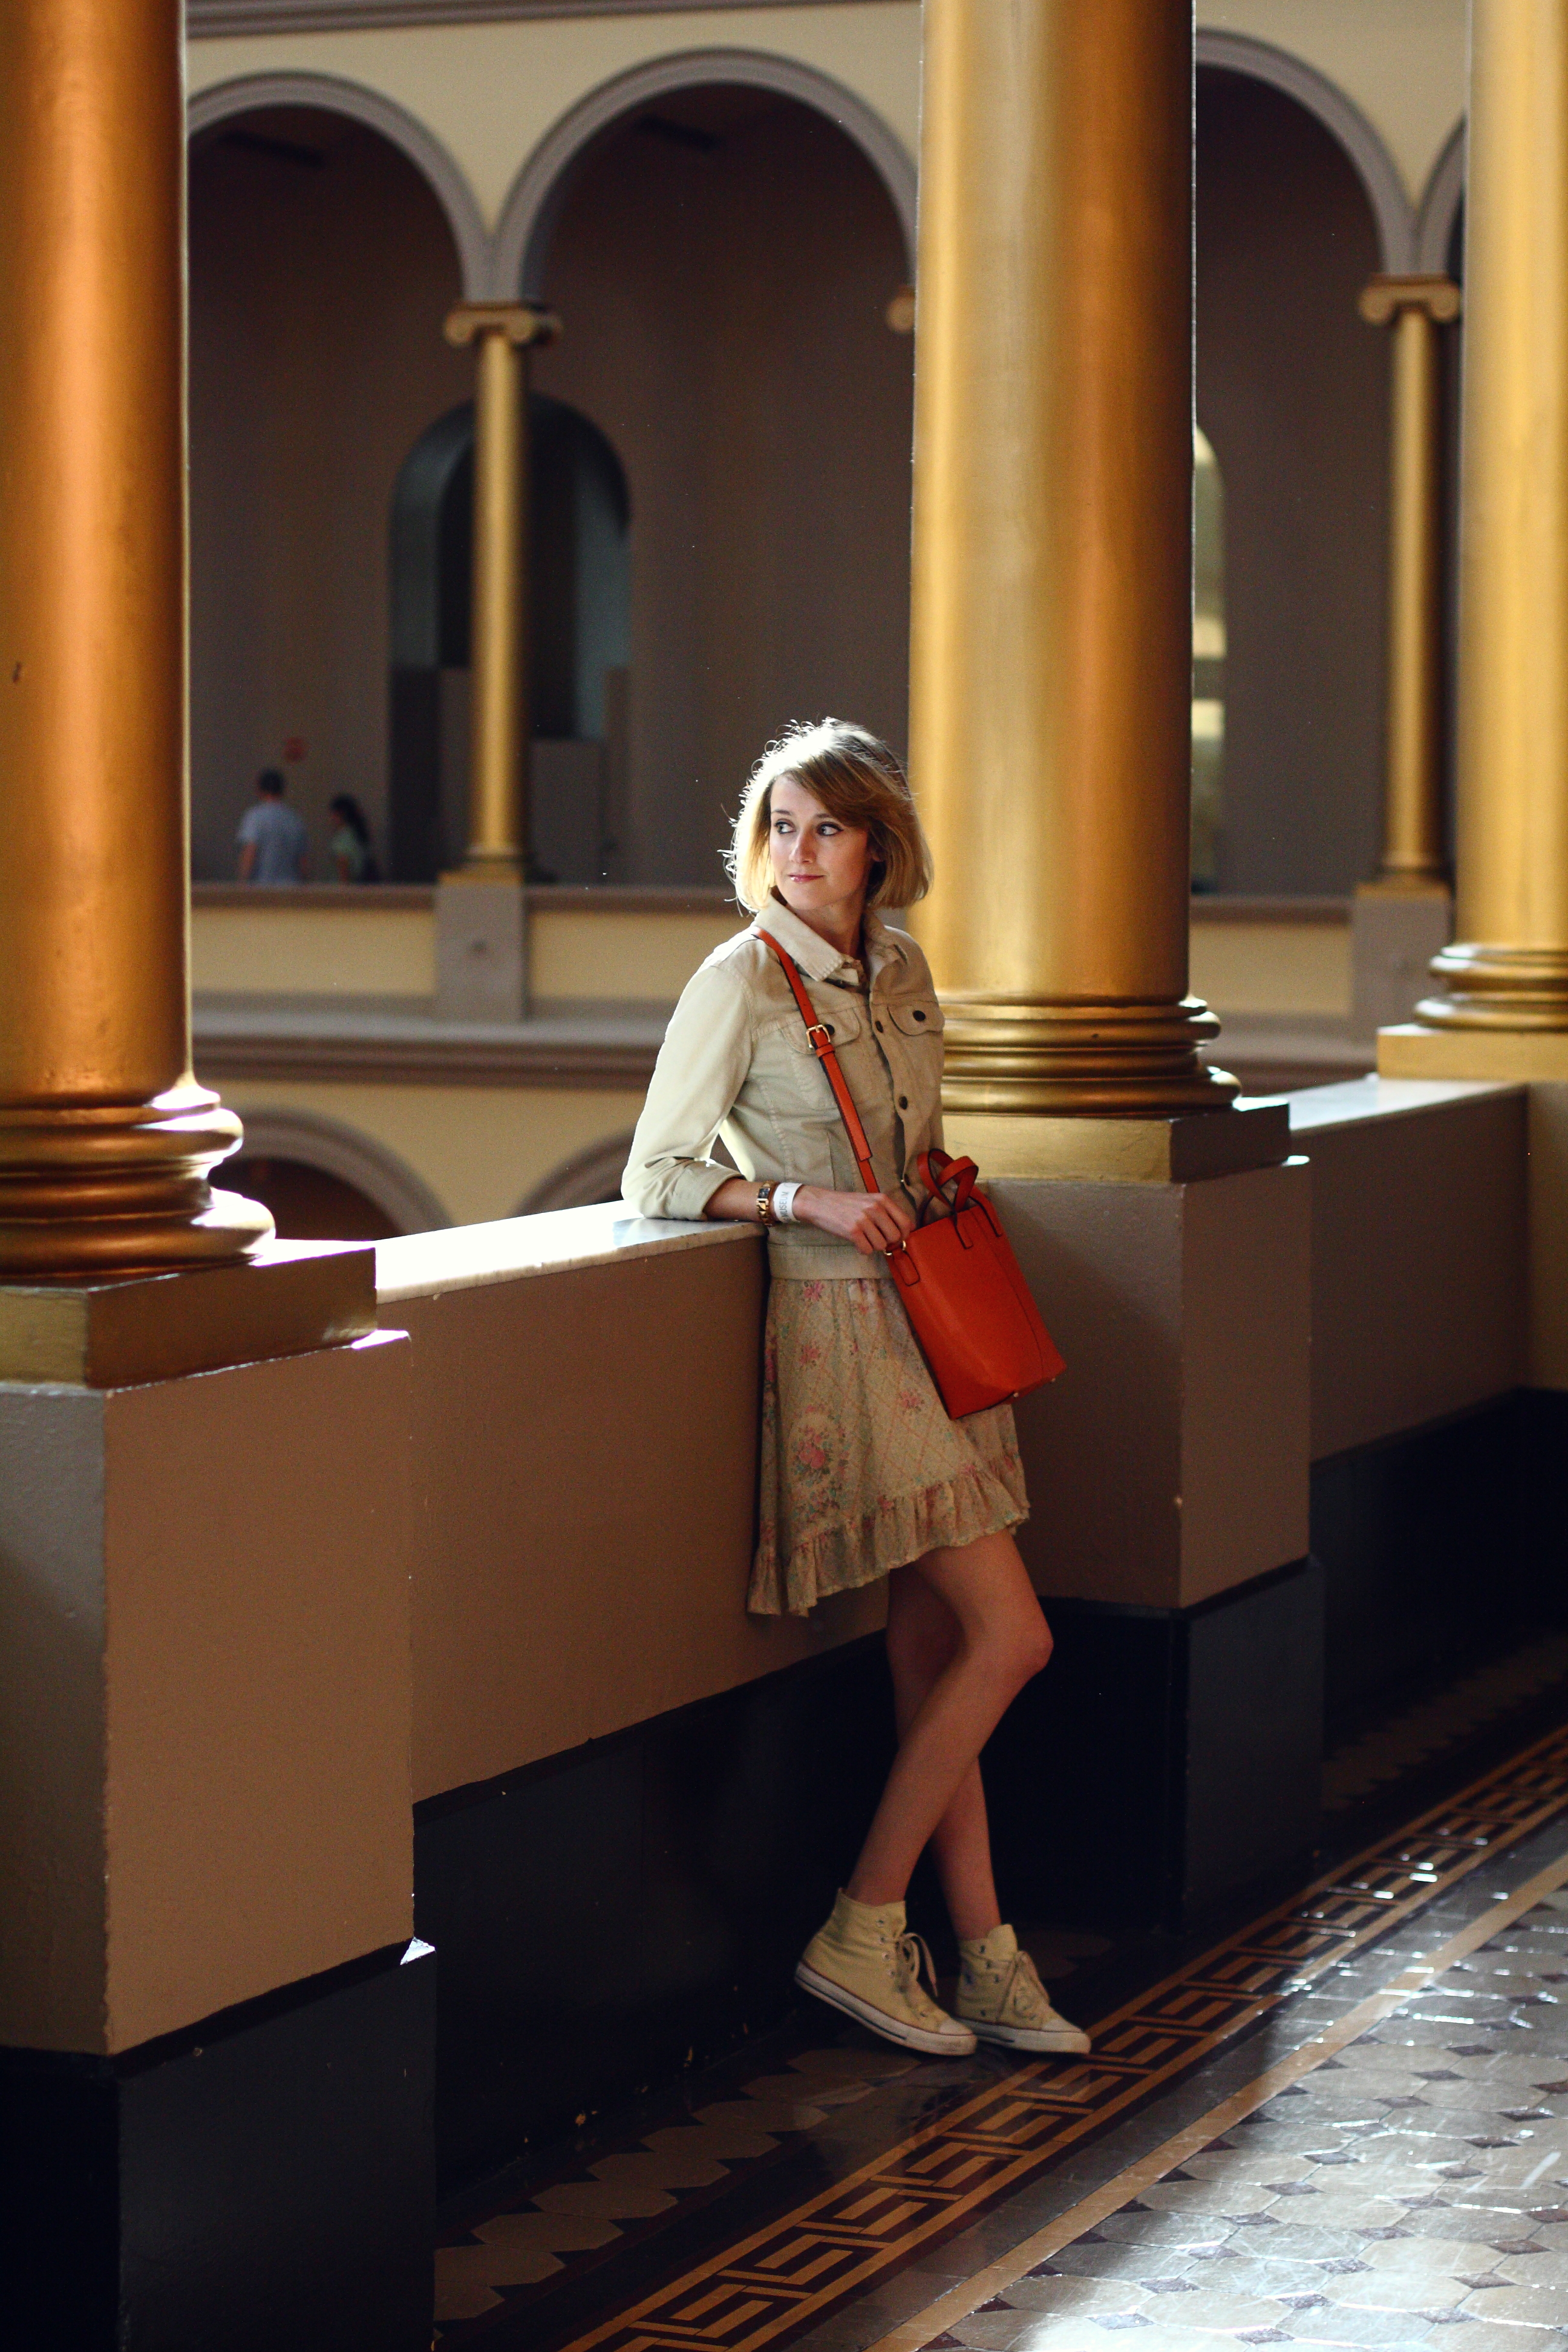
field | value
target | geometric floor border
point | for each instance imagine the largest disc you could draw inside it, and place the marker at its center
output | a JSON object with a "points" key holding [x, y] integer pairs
{"points": [[758, 2295]]}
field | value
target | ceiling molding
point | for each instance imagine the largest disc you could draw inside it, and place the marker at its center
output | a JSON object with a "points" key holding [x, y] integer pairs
{"points": [[209, 19]]}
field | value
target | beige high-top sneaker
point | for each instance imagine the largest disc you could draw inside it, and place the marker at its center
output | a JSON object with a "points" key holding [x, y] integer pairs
{"points": [[1001, 1998], [866, 1963]]}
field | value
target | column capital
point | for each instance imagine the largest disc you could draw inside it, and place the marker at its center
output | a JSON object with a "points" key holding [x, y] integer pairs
{"points": [[521, 322], [1382, 299]]}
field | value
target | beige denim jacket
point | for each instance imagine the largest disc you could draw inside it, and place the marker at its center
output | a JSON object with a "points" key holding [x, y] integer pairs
{"points": [[735, 1069]]}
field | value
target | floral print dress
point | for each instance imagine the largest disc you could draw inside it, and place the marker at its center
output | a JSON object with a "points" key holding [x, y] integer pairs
{"points": [[861, 1468]]}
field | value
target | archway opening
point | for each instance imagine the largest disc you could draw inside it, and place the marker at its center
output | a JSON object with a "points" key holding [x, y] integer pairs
{"points": [[1293, 393], [307, 1203], [321, 268], [723, 259], [579, 620]]}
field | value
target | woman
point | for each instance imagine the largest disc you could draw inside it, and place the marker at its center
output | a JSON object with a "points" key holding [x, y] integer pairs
{"points": [[863, 1473], [350, 847]]}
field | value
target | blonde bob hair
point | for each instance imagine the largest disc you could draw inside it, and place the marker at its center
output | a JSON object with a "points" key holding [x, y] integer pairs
{"points": [[858, 781]]}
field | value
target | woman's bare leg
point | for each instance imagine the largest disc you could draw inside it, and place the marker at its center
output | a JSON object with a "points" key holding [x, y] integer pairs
{"points": [[923, 1641], [1001, 1641]]}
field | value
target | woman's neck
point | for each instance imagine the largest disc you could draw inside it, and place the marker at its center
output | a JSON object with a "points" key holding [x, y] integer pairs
{"points": [[842, 927]]}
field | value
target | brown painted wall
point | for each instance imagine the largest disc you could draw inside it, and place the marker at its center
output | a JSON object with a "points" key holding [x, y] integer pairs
{"points": [[317, 297], [724, 325], [1292, 391]]}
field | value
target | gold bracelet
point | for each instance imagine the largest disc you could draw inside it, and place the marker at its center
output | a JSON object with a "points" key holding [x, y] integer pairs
{"points": [[765, 1204]]}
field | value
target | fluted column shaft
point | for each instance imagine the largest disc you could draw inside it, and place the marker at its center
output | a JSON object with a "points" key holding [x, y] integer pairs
{"points": [[1508, 968], [105, 1143], [1051, 655]]}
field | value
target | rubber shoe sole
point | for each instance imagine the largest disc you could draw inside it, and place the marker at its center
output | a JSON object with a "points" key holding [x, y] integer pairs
{"points": [[892, 2029], [1063, 2041]]}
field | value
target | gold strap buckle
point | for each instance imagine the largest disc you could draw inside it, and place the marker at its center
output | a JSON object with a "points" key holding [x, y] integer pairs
{"points": [[816, 1029]]}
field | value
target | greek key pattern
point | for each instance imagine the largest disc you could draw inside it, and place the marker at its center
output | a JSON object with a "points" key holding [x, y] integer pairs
{"points": [[758, 2295]]}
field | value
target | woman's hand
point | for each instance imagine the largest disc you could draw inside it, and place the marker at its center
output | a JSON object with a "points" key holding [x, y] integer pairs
{"points": [[872, 1221]]}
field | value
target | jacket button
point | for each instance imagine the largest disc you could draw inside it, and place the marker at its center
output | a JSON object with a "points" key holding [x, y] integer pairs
{"points": [[903, 1102]]}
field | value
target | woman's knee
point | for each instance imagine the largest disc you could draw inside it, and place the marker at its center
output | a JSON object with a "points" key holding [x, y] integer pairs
{"points": [[1030, 1646]]}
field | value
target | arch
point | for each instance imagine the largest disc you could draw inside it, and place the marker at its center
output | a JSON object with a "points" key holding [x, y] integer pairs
{"points": [[1375, 167], [333, 95], [353, 1158], [1440, 206], [530, 213], [590, 1176]]}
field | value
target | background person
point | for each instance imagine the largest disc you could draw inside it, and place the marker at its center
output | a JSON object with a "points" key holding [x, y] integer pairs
{"points": [[274, 846], [349, 850], [863, 1473]]}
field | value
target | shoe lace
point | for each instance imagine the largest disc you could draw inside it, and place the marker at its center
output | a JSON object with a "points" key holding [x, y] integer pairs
{"points": [[914, 1953], [1022, 1965]]}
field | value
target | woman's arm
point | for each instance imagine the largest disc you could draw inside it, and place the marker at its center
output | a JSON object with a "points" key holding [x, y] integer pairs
{"points": [[872, 1221], [701, 1068]]}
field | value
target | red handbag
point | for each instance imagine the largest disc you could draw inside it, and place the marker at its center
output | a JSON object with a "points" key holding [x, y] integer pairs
{"points": [[970, 1308]]}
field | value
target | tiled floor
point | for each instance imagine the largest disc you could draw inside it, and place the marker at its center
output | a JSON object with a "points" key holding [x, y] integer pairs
{"points": [[1409, 2191], [843, 2199]]}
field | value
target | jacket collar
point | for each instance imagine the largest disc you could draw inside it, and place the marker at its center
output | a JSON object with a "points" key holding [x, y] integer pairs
{"points": [[817, 957]]}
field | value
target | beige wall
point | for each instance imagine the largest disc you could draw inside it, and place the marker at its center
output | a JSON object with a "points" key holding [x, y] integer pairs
{"points": [[317, 358], [553, 1606], [480, 1149], [725, 329], [490, 92], [1419, 1243], [206, 1683]]}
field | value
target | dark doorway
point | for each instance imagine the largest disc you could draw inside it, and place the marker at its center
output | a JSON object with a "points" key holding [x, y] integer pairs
{"points": [[579, 619]]}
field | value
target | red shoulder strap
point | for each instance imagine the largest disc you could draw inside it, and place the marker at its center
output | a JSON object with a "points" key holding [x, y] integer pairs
{"points": [[820, 1039]]}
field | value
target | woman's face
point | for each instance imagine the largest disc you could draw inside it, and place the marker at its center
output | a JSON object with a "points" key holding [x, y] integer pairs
{"points": [[821, 866]]}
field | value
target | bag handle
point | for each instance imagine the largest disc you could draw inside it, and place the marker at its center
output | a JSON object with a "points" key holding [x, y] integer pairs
{"points": [[819, 1038]]}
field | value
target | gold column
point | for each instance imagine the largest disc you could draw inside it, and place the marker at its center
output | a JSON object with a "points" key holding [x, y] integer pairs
{"points": [[1416, 307], [105, 1141], [1051, 653], [1508, 968], [498, 819]]}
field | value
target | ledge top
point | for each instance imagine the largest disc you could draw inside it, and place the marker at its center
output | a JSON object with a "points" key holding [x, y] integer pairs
{"points": [[559, 1240]]}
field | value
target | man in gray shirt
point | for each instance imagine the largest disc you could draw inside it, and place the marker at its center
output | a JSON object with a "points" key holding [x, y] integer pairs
{"points": [[273, 842]]}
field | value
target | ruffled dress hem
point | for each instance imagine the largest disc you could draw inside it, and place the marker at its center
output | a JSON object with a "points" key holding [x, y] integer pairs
{"points": [[982, 1499]]}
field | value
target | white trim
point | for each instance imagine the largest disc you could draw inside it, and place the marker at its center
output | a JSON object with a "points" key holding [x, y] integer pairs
{"points": [[351, 1157], [529, 215], [1440, 206], [1379, 174], [336, 95]]}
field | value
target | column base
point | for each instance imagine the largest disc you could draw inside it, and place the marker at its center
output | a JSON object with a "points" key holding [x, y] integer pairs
{"points": [[1039, 1057], [1498, 988], [482, 947], [264, 2178], [1126, 1151], [114, 1188], [283, 1300]]}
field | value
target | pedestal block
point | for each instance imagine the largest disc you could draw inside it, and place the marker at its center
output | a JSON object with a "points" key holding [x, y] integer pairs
{"points": [[1394, 934], [1170, 1755], [482, 953], [208, 2047]]}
